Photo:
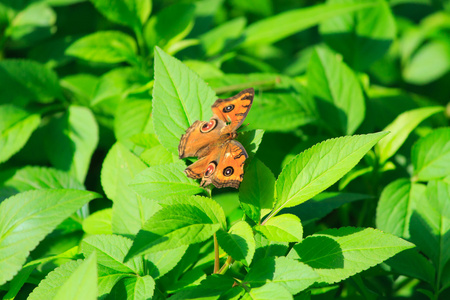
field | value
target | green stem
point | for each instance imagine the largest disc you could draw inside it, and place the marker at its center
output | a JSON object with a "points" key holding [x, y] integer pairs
{"points": [[216, 255], [224, 268]]}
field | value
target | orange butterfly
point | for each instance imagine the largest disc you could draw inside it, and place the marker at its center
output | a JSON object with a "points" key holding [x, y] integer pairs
{"points": [[221, 158]]}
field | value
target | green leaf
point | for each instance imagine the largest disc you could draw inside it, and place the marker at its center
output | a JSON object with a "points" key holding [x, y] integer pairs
{"points": [[99, 222], [180, 98], [158, 155], [49, 286], [104, 47], [317, 168], [130, 210], [266, 248], [32, 24], [16, 127], [116, 85], [111, 251], [29, 210], [257, 190], [322, 204], [162, 181], [132, 118], [340, 103], [238, 243], [431, 155], [22, 81], [421, 268], [171, 24], [430, 62], [159, 263], [134, 288], [400, 129], [223, 37], [282, 228], [293, 275], [268, 291], [280, 26], [336, 254], [430, 223], [71, 141], [362, 37], [396, 206], [82, 283], [131, 13], [184, 221], [36, 178], [251, 140]]}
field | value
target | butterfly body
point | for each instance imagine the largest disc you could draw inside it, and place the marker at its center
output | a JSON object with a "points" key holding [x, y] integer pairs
{"points": [[221, 157]]}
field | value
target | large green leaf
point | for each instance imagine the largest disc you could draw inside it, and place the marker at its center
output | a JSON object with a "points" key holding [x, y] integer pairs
{"points": [[111, 250], [104, 47], [239, 242], [71, 141], [34, 178], [295, 276], [431, 155], [130, 210], [180, 98], [317, 168], [22, 81], [400, 129], [133, 117], [82, 283], [39, 211], [430, 223], [282, 228], [16, 127], [159, 263], [256, 193], [134, 288], [182, 221], [336, 254], [48, 287], [268, 291], [275, 28], [132, 13], [428, 63], [99, 222], [362, 37], [340, 102], [396, 206], [161, 181]]}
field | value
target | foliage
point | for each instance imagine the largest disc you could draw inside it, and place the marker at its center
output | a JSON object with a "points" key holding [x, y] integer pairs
{"points": [[346, 192]]}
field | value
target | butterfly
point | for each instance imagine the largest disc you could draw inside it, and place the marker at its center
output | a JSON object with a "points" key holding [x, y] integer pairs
{"points": [[220, 157]]}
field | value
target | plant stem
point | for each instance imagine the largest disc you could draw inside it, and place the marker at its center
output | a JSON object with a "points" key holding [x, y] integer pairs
{"points": [[216, 255], [224, 268]]}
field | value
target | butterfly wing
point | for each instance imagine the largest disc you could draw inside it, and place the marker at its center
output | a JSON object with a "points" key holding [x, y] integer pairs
{"points": [[223, 167], [200, 137], [233, 110]]}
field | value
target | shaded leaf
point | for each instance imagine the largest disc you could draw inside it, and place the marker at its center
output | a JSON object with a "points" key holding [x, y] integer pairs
{"points": [[336, 254], [238, 242], [340, 103], [431, 155], [27, 210], [16, 127]]}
